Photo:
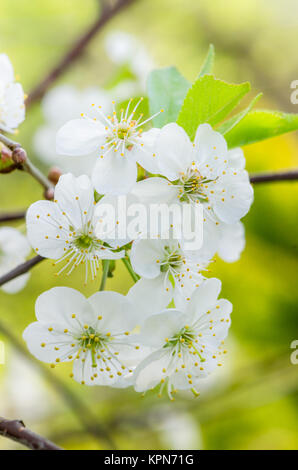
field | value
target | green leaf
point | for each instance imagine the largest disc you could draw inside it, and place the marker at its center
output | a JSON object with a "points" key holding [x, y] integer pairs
{"points": [[209, 100], [259, 125], [234, 121], [167, 89], [208, 62]]}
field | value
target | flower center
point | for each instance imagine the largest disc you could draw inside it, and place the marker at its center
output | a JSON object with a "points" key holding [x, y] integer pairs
{"points": [[192, 186], [83, 242], [173, 260]]}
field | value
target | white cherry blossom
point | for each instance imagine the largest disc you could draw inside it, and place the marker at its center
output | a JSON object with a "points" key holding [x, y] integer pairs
{"points": [[119, 143], [64, 230], [92, 333], [199, 173], [12, 108], [186, 344], [59, 105], [14, 248], [167, 271]]}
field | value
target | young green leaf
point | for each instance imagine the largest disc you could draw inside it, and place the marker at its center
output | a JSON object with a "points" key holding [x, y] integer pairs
{"points": [[208, 62], [259, 125], [234, 121], [209, 100], [167, 89]]}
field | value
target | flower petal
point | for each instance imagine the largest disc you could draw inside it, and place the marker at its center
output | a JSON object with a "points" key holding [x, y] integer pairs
{"points": [[204, 297], [6, 70], [231, 242], [80, 137], [117, 311], [150, 296], [146, 256], [59, 304], [156, 191], [114, 174], [173, 151]]}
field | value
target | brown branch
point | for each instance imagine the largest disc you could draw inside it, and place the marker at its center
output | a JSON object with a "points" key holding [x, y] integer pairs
{"points": [[22, 162], [16, 431], [11, 216], [269, 177], [84, 414], [76, 49], [21, 269]]}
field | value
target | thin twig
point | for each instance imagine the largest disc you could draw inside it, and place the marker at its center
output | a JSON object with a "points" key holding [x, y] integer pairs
{"points": [[21, 269], [16, 431], [11, 216], [76, 49], [269, 177], [85, 416], [26, 164]]}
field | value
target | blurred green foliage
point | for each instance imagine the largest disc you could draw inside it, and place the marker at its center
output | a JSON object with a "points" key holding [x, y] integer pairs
{"points": [[253, 405]]}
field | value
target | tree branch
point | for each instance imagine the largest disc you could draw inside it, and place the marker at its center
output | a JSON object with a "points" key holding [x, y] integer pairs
{"points": [[11, 216], [16, 431], [84, 414], [76, 49], [21, 269], [22, 162], [269, 177]]}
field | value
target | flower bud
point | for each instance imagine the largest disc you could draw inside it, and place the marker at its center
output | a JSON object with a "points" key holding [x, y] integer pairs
{"points": [[54, 174], [49, 194], [19, 155]]}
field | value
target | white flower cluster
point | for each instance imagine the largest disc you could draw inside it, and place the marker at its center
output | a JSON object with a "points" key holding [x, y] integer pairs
{"points": [[169, 330], [137, 339]]}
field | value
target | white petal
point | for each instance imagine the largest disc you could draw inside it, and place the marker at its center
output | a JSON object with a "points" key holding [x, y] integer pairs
{"points": [[41, 343], [43, 220], [145, 154], [235, 202], [6, 70], [75, 196], [13, 109], [209, 144], [114, 174], [80, 137], [59, 304], [236, 158], [14, 242], [150, 372], [162, 326], [173, 151], [43, 146], [156, 191], [231, 242], [111, 218], [204, 297], [146, 256], [117, 311], [150, 296]]}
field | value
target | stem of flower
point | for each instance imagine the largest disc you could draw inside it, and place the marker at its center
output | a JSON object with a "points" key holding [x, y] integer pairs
{"points": [[16, 431], [26, 164], [105, 271], [128, 266]]}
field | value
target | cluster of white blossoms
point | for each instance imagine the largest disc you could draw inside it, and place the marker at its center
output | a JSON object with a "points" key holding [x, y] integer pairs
{"points": [[169, 330]]}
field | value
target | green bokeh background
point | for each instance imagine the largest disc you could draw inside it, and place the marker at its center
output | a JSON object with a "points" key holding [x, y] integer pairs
{"points": [[253, 404]]}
